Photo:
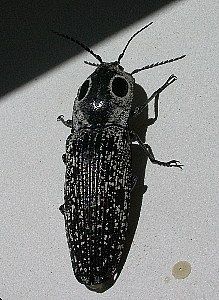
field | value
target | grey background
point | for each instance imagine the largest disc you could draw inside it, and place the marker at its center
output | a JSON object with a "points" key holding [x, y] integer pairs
{"points": [[179, 215]]}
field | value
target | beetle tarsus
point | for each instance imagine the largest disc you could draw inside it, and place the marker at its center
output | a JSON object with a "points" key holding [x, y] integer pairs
{"points": [[170, 80], [67, 123], [171, 163]]}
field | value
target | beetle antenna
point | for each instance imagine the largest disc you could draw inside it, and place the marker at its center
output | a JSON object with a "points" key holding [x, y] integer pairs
{"points": [[157, 64], [129, 41], [91, 64], [79, 43]]}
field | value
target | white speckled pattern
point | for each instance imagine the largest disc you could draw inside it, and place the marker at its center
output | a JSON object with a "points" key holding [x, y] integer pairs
{"points": [[97, 195]]}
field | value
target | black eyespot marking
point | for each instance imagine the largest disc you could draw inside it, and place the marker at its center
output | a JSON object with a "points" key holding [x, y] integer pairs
{"points": [[119, 87], [84, 89]]}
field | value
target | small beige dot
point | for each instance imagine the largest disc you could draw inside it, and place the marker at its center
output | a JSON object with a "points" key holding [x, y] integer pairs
{"points": [[181, 269]]}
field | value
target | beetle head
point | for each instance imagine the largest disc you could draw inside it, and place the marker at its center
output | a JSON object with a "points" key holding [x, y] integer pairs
{"points": [[106, 95]]}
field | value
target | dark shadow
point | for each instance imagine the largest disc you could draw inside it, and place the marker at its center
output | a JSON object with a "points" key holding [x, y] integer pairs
{"points": [[139, 162], [28, 48]]}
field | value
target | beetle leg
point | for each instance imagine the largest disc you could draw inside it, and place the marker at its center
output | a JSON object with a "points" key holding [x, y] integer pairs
{"points": [[151, 121], [147, 149], [65, 207], [155, 95], [171, 163], [64, 158], [67, 123]]}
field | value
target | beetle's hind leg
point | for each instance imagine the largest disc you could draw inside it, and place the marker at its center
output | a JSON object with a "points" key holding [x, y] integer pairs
{"points": [[67, 123], [171, 163], [147, 149]]}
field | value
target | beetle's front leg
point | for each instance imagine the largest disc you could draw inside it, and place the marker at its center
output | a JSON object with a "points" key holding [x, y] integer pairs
{"points": [[151, 121], [147, 149], [155, 95], [67, 123]]}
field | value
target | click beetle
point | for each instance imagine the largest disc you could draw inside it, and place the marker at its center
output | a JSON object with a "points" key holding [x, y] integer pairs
{"points": [[98, 159]]}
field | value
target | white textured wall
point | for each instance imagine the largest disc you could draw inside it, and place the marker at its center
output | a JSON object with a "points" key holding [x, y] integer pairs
{"points": [[179, 217]]}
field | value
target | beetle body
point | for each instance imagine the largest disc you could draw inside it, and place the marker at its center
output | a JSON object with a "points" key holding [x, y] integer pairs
{"points": [[98, 174], [99, 179]]}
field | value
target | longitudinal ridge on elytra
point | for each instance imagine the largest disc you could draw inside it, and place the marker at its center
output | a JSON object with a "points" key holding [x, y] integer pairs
{"points": [[96, 212]]}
